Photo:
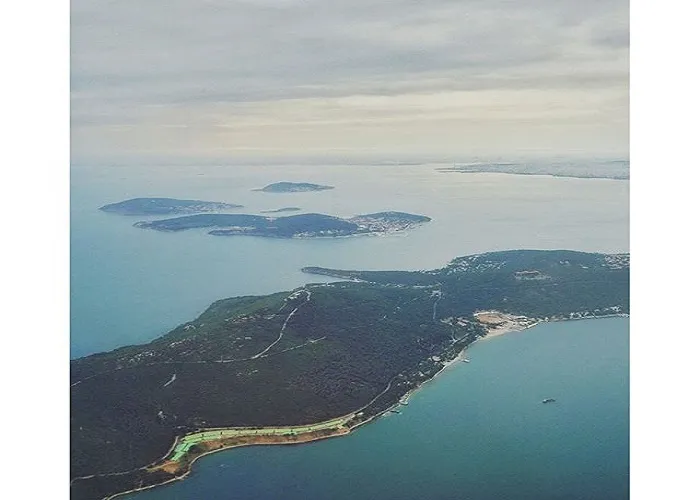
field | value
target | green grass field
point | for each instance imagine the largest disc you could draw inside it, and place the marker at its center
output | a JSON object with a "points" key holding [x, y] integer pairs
{"points": [[189, 440]]}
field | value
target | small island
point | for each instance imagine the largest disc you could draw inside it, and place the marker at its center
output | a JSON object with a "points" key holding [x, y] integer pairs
{"points": [[166, 206], [311, 363], [293, 187], [601, 169], [293, 226], [281, 210]]}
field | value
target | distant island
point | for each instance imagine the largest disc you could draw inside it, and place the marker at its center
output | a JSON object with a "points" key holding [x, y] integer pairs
{"points": [[293, 187], [166, 206], [280, 210], [591, 169], [293, 226], [311, 363]]}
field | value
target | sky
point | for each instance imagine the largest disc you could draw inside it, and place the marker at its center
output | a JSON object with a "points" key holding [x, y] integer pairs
{"points": [[173, 81]]}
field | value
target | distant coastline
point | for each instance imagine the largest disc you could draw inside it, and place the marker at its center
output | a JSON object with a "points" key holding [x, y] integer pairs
{"points": [[281, 210], [614, 169], [293, 187]]}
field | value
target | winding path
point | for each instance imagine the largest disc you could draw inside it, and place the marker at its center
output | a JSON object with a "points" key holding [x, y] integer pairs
{"points": [[284, 326], [261, 354], [438, 293]]}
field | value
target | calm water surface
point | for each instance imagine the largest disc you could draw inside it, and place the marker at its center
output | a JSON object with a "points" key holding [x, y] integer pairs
{"points": [[479, 431], [130, 285]]}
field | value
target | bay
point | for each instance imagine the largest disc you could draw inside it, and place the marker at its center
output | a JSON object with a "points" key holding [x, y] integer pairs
{"points": [[477, 431]]}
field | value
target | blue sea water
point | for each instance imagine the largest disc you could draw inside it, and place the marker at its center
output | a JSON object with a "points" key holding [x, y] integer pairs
{"points": [[130, 285], [478, 431]]}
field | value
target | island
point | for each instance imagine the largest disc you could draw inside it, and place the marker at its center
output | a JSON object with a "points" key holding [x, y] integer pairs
{"points": [[166, 206], [590, 169], [311, 363], [293, 187], [293, 226], [281, 210]]}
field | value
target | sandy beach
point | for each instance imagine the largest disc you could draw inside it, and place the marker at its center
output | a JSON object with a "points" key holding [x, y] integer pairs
{"points": [[499, 323]]}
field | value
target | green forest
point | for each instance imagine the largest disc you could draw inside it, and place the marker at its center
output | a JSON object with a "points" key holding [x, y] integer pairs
{"points": [[315, 353]]}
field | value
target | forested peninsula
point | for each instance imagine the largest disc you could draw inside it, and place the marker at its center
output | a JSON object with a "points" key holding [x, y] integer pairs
{"points": [[310, 363]]}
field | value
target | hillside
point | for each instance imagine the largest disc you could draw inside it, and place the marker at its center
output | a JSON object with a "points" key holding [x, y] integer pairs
{"points": [[292, 226], [313, 354], [165, 206]]}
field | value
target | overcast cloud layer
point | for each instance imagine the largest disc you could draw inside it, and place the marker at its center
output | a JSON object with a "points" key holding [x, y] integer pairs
{"points": [[203, 80]]}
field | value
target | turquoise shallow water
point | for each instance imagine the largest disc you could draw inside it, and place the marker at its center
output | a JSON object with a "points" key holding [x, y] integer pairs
{"points": [[479, 431]]}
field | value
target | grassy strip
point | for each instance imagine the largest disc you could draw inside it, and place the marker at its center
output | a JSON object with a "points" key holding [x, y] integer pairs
{"points": [[186, 442]]}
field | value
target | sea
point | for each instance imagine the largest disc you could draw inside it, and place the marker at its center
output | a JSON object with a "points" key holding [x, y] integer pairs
{"points": [[479, 430]]}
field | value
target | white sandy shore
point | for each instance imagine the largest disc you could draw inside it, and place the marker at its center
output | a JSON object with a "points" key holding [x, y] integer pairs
{"points": [[510, 324], [494, 328], [498, 331]]}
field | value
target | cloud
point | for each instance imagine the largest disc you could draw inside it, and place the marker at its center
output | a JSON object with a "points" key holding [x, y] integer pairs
{"points": [[183, 77]]}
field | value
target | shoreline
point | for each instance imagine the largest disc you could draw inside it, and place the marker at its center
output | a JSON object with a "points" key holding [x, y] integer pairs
{"points": [[343, 430], [511, 328], [188, 471], [449, 364], [451, 170]]}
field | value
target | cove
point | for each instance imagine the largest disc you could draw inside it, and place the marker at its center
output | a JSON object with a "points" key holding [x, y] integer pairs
{"points": [[478, 431]]}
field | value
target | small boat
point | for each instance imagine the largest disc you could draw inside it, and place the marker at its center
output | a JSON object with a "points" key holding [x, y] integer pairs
{"points": [[465, 361], [548, 400]]}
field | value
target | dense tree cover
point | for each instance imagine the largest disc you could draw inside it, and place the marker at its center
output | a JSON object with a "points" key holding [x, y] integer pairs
{"points": [[307, 225], [339, 349], [316, 353], [562, 282], [293, 187], [99, 487], [165, 206], [225, 330]]}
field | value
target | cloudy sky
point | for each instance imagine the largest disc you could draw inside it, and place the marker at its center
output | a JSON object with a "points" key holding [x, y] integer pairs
{"points": [[213, 80]]}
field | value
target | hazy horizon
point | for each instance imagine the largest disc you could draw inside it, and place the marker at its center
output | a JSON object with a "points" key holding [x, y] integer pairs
{"points": [[279, 80]]}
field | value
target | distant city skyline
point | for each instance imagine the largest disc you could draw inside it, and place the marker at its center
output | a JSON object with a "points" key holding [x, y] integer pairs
{"points": [[270, 80]]}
